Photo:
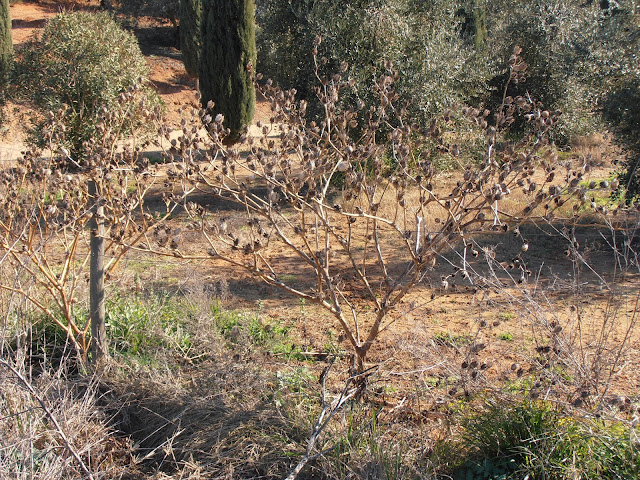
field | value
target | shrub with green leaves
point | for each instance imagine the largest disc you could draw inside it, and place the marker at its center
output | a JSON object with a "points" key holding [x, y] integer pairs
{"points": [[80, 65], [532, 439], [438, 67]]}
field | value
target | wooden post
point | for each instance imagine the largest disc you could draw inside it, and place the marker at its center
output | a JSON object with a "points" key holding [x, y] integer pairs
{"points": [[96, 279]]}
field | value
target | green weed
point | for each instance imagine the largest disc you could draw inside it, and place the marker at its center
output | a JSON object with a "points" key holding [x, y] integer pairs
{"points": [[293, 385], [138, 324], [536, 441], [451, 339]]}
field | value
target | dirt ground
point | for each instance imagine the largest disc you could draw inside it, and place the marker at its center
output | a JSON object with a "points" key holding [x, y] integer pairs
{"points": [[432, 336]]}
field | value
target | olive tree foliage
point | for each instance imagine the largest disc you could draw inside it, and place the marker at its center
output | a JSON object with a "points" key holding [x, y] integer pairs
{"points": [[620, 103], [359, 245], [81, 65], [573, 48], [621, 111], [6, 45], [443, 69], [423, 41], [227, 61], [584, 59]]}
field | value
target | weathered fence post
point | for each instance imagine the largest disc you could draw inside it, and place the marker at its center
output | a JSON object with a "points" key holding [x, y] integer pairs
{"points": [[96, 279]]}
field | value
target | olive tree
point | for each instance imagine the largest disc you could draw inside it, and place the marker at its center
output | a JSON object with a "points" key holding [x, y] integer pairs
{"points": [[425, 42], [574, 49]]}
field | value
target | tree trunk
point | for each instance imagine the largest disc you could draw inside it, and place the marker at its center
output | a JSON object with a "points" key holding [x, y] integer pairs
{"points": [[96, 279], [6, 46]]}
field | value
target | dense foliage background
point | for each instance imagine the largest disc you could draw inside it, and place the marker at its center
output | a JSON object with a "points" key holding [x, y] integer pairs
{"points": [[581, 55]]}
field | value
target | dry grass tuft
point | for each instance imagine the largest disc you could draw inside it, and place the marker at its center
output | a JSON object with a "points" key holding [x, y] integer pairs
{"points": [[219, 423], [596, 148], [51, 427]]}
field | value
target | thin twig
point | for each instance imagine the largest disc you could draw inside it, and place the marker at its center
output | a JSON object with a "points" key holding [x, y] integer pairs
{"points": [[326, 414]]}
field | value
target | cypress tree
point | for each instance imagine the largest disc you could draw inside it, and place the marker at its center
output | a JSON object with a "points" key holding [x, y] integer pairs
{"points": [[227, 58], [6, 47], [190, 26]]}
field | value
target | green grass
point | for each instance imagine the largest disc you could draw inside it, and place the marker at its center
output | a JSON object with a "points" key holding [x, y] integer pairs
{"points": [[534, 440], [272, 337], [452, 339], [293, 386], [138, 325], [506, 316]]}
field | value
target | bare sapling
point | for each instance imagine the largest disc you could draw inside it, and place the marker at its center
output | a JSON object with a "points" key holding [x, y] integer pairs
{"points": [[348, 211], [49, 212]]}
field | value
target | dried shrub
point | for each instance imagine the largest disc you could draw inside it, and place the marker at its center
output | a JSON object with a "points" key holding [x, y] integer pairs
{"points": [[374, 238], [47, 214]]}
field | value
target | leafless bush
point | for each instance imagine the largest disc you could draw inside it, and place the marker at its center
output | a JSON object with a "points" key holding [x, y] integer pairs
{"points": [[46, 215], [567, 332], [352, 205], [583, 348]]}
